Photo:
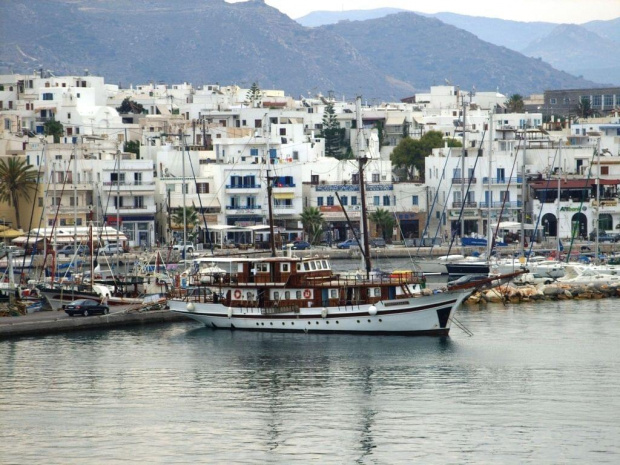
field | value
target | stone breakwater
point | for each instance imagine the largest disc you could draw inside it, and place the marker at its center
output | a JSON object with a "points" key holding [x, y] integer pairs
{"points": [[542, 293]]}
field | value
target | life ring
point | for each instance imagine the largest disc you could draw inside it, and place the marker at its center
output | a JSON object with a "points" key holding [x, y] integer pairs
{"points": [[237, 294], [307, 294]]}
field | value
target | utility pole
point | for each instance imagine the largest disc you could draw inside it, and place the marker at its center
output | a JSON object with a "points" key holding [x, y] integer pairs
{"points": [[272, 238]]}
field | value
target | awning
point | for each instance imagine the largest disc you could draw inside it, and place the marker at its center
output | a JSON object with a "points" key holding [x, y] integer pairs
{"points": [[10, 233], [284, 195], [513, 225], [395, 120]]}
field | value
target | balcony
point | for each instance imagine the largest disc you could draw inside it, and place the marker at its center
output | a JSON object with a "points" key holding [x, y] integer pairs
{"points": [[244, 207], [500, 204], [237, 187], [467, 205], [463, 180], [503, 180], [133, 186], [130, 209]]}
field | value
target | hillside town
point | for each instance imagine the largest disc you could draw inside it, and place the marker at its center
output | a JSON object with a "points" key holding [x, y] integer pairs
{"points": [[130, 159]]}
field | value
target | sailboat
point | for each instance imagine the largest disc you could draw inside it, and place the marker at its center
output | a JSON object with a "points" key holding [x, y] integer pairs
{"points": [[293, 294]]}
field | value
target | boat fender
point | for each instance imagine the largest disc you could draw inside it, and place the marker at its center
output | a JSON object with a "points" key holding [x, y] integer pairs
{"points": [[191, 307], [372, 311], [237, 294], [229, 312], [324, 313], [307, 294]]}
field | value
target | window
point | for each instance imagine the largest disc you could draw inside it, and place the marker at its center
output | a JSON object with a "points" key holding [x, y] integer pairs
{"points": [[118, 202], [48, 96], [330, 201], [375, 177], [597, 100], [386, 200], [314, 179], [202, 187], [137, 179], [375, 200], [553, 101], [258, 123], [344, 199], [355, 179], [254, 152], [7, 123], [283, 131], [608, 100], [604, 169], [319, 201], [40, 201], [354, 200], [138, 202], [415, 200], [295, 155]]}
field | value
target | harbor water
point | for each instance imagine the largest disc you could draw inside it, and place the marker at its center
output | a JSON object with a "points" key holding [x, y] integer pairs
{"points": [[534, 384]]}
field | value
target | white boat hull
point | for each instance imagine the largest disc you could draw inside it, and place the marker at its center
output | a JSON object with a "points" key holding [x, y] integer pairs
{"points": [[424, 315]]}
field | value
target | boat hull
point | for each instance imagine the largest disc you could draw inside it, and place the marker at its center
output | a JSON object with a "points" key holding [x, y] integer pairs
{"points": [[424, 315], [461, 269], [57, 298]]}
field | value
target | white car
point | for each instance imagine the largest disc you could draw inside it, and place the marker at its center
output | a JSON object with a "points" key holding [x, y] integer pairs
{"points": [[189, 247]]}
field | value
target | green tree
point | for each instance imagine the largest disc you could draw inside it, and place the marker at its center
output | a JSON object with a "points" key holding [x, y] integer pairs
{"points": [[129, 106], [331, 132], [384, 221], [584, 108], [515, 104], [54, 128], [312, 221], [254, 96], [17, 180], [410, 153], [191, 217], [133, 146]]}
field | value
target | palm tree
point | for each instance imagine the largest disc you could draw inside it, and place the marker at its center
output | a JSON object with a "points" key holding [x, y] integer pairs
{"points": [[191, 217], [17, 179], [312, 221], [384, 220]]}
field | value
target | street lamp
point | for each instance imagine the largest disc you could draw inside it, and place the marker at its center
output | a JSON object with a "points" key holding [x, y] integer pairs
{"points": [[545, 229]]}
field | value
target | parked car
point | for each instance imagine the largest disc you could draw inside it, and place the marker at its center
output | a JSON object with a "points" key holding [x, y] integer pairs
{"points": [[301, 245], [348, 244], [609, 237], [70, 250], [86, 307], [188, 247], [110, 249], [377, 242]]}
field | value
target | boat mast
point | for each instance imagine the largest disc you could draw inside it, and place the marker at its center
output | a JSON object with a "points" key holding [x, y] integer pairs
{"points": [[557, 228], [463, 155], [489, 203], [598, 199], [272, 238], [362, 159], [523, 192]]}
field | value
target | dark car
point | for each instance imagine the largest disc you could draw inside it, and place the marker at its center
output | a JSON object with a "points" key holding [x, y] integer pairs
{"points": [[377, 242], [613, 237], [468, 278], [301, 245], [348, 244], [86, 307]]}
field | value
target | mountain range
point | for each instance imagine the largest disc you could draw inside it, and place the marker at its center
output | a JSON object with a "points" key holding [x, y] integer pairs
{"points": [[211, 41], [589, 50]]}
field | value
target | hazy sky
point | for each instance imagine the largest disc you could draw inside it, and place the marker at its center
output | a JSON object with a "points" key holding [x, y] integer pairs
{"points": [[553, 11]]}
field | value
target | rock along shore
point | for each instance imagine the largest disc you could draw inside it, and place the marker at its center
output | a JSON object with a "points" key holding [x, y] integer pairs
{"points": [[541, 292]]}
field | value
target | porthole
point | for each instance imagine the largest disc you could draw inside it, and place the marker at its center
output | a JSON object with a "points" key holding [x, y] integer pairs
{"points": [[293, 324], [327, 322], [309, 322], [368, 321], [358, 321], [380, 320], [317, 322], [337, 322], [271, 322], [262, 324], [257, 323], [283, 323]]}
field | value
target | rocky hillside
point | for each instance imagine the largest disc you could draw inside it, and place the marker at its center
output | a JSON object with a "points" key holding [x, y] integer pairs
{"points": [[208, 41]]}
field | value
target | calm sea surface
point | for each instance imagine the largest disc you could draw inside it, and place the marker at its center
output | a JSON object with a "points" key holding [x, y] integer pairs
{"points": [[536, 383]]}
